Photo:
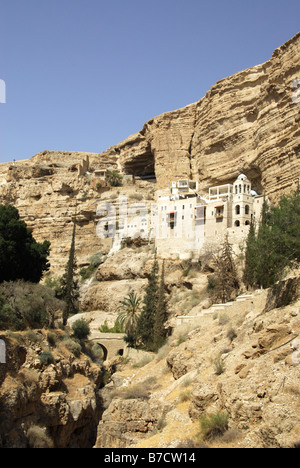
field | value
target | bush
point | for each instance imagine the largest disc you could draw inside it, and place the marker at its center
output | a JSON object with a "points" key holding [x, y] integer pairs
{"points": [[37, 438], [46, 358], [214, 425], [117, 328], [140, 391], [73, 346], [114, 178], [219, 366], [27, 305], [51, 338], [81, 329], [231, 334]]}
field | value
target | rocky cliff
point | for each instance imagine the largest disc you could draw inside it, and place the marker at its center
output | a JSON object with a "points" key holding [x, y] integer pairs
{"points": [[48, 398], [248, 123], [240, 360]]}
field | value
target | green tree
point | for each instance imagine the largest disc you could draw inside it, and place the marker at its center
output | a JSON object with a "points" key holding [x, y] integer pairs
{"points": [[21, 256], [267, 256], [81, 329], [68, 291], [249, 276], [145, 326], [114, 178], [161, 316], [27, 305], [276, 245], [128, 317], [227, 283]]}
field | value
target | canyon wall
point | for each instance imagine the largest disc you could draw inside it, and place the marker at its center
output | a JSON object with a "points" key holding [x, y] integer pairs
{"points": [[247, 123]]}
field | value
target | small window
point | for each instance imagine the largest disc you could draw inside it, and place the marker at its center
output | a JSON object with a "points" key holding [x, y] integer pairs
{"points": [[237, 223], [247, 209], [237, 209]]}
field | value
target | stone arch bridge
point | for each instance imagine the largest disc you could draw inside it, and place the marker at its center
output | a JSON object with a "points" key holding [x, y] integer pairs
{"points": [[112, 344]]}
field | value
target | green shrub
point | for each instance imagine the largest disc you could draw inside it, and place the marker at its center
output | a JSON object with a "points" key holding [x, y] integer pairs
{"points": [[73, 346], [51, 338], [223, 319], [27, 305], [32, 336], [219, 366], [114, 178], [136, 392], [38, 438], [231, 334], [87, 272], [81, 329], [185, 396], [214, 425], [117, 328], [46, 358]]}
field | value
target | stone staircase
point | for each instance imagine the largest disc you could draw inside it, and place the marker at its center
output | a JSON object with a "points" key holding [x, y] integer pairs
{"points": [[244, 304]]}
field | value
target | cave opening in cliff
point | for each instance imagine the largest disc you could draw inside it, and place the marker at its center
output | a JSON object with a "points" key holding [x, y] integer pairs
{"points": [[142, 165], [255, 177]]}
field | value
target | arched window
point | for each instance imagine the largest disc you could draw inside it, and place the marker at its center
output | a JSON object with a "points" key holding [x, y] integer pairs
{"points": [[247, 209], [237, 223], [237, 209], [247, 223]]}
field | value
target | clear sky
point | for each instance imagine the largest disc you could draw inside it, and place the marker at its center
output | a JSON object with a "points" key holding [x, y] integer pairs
{"points": [[83, 75]]}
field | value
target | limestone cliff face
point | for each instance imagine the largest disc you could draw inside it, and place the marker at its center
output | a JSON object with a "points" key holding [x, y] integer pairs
{"points": [[243, 363], [45, 405], [248, 123]]}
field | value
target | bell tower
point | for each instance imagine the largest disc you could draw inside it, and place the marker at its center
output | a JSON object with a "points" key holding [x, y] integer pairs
{"points": [[242, 206]]}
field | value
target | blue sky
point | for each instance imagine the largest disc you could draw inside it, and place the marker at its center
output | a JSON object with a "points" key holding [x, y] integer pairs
{"points": [[82, 75]]}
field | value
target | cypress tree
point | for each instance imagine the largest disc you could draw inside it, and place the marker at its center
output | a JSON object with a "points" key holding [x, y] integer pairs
{"points": [[160, 333], [268, 263], [69, 285], [145, 326], [227, 283], [249, 276]]}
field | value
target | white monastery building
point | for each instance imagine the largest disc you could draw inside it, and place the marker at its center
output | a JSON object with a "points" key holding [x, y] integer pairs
{"points": [[188, 223]]}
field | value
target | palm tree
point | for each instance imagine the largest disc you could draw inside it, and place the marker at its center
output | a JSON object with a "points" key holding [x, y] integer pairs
{"points": [[128, 318], [114, 178]]}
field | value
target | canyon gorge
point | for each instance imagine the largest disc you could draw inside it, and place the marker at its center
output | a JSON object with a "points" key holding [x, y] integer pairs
{"points": [[246, 123]]}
